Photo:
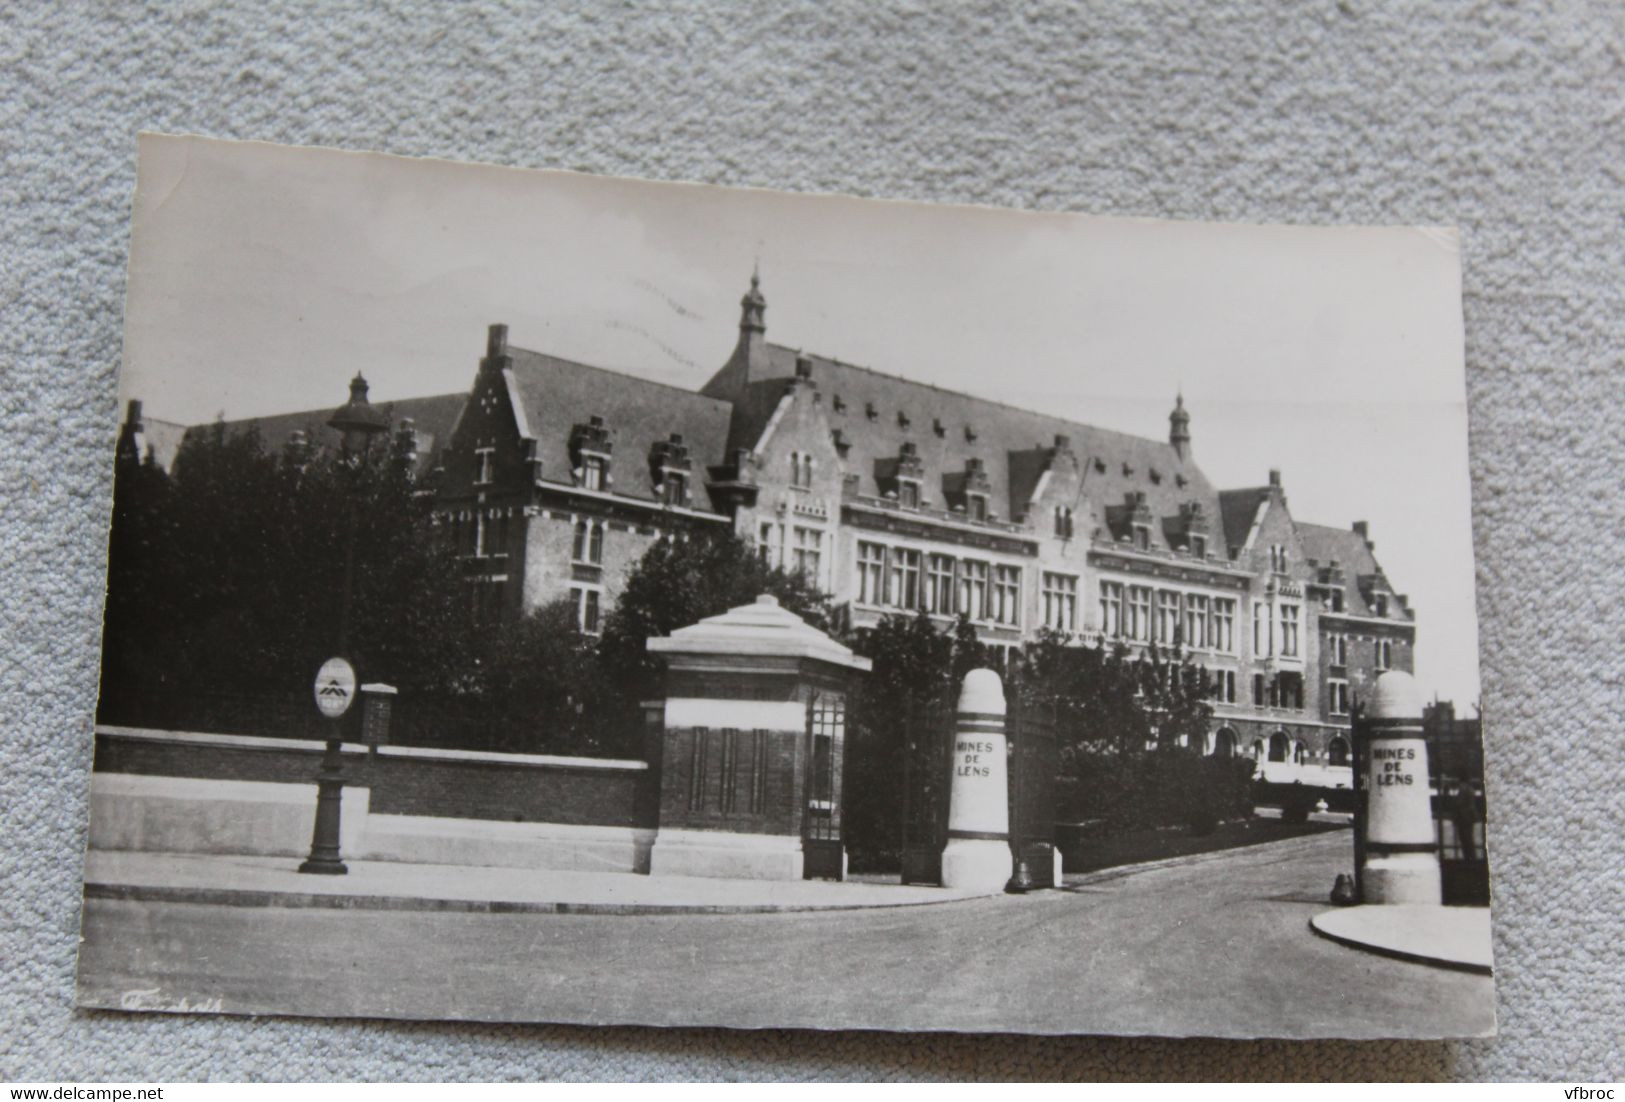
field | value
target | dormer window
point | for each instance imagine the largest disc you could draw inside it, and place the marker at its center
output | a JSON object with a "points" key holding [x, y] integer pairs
{"points": [[905, 479], [594, 468], [970, 434], [976, 506], [1142, 537], [902, 420], [1199, 547], [1337, 600], [674, 490], [1380, 605], [938, 427], [484, 465], [838, 404], [870, 411], [590, 450], [1100, 466]]}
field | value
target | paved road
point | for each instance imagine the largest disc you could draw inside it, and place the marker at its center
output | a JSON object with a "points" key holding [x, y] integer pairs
{"points": [[1217, 945]]}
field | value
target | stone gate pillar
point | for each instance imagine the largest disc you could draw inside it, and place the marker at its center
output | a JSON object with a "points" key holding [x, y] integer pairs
{"points": [[1401, 851], [978, 850], [752, 741]]}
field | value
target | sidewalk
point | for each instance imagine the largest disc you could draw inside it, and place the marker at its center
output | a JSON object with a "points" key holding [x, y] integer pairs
{"points": [[1445, 937], [384, 885]]}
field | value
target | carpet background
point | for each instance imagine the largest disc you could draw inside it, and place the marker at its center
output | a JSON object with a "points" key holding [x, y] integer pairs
{"points": [[1508, 121]]}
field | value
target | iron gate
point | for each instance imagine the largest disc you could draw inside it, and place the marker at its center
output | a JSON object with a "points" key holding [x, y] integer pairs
{"points": [[822, 845], [1033, 764], [927, 763]]}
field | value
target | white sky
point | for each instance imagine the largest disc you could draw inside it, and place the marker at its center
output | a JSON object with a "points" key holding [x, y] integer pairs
{"points": [[262, 277]]}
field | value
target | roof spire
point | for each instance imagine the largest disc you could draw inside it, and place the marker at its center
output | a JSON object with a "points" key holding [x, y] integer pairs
{"points": [[1179, 426], [753, 307]]}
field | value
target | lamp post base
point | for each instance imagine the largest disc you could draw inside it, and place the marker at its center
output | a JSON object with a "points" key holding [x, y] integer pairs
{"points": [[323, 866], [324, 842]]}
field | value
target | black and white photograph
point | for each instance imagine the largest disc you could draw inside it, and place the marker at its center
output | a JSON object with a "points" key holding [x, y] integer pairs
{"points": [[535, 596]]}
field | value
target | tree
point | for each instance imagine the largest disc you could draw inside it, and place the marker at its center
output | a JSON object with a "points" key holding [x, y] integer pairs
{"points": [[139, 617], [1133, 730], [227, 583], [537, 684], [679, 582], [899, 725]]}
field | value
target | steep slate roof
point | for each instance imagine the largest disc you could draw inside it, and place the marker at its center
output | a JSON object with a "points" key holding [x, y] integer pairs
{"points": [[1239, 508], [432, 418], [1008, 441], [558, 394]]}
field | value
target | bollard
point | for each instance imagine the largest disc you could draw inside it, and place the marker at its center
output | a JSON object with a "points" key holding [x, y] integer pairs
{"points": [[1401, 851], [978, 851]]}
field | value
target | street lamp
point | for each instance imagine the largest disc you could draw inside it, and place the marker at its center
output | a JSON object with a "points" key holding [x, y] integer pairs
{"points": [[357, 422]]}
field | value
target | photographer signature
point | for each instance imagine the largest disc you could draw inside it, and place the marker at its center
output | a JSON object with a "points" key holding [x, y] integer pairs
{"points": [[151, 998]]}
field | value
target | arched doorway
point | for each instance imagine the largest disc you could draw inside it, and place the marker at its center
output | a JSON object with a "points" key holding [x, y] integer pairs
{"points": [[1279, 746], [1300, 753], [1258, 749], [1224, 743], [1337, 751]]}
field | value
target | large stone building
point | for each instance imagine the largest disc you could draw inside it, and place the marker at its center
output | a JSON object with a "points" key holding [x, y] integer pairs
{"points": [[894, 495]]}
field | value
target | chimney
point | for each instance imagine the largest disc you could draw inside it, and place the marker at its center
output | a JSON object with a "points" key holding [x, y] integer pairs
{"points": [[1275, 477], [496, 348], [803, 366], [133, 417], [1362, 530], [1063, 442]]}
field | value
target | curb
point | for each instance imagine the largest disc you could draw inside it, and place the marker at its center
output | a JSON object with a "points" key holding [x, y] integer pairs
{"points": [[1402, 954], [1114, 872], [257, 897]]}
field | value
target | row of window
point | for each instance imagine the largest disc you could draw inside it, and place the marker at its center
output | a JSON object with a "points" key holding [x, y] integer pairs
{"points": [[1278, 634], [1140, 614], [793, 547], [1337, 651], [481, 536], [905, 578]]}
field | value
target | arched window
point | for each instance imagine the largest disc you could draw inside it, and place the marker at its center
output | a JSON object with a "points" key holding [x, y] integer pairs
{"points": [[1337, 751], [1278, 747], [1224, 743], [1258, 749], [1300, 753]]}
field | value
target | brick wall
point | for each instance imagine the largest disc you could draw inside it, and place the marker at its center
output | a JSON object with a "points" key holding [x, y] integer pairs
{"points": [[500, 787]]}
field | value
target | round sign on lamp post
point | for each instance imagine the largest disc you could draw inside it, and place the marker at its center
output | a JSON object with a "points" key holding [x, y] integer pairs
{"points": [[335, 687]]}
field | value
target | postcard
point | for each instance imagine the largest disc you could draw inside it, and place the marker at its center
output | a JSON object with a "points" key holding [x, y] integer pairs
{"points": [[543, 597]]}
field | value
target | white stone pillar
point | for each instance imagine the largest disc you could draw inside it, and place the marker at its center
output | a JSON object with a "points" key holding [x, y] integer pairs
{"points": [[1401, 852], [978, 850]]}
